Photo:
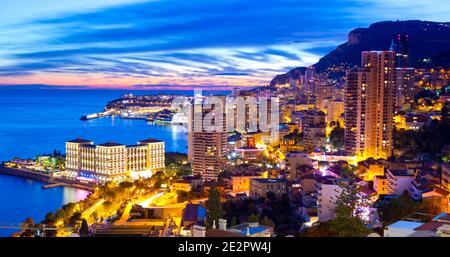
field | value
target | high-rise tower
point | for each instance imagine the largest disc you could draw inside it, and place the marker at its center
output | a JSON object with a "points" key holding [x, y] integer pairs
{"points": [[400, 45], [370, 105]]}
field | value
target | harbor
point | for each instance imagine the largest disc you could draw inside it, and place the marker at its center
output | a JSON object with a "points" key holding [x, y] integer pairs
{"points": [[97, 115], [155, 109]]}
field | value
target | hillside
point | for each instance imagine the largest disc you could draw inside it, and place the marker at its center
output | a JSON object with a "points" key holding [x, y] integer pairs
{"points": [[429, 41]]}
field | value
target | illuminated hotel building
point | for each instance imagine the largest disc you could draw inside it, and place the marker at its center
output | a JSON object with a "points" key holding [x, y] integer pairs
{"points": [[113, 161], [369, 106]]}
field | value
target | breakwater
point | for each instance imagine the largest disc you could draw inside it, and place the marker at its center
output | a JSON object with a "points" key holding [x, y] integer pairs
{"points": [[51, 181]]}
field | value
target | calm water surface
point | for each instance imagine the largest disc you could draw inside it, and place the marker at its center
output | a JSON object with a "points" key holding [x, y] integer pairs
{"points": [[37, 121]]}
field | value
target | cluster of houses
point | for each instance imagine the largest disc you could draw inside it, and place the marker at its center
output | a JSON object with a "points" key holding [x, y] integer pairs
{"points": [[313, 186]]}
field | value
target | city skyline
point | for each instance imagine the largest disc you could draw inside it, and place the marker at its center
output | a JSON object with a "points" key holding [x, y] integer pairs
{"points": [[149, 44], [305, 119]]}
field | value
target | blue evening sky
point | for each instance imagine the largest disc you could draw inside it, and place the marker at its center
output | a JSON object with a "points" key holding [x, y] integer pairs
{"points": [[181, 42]]}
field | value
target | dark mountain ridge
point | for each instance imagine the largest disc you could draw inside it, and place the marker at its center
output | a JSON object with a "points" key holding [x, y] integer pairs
{"points": [[429, 46]]}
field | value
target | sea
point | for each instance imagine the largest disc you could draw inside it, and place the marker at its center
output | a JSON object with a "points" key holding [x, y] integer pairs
{"points": [[36, 121]]}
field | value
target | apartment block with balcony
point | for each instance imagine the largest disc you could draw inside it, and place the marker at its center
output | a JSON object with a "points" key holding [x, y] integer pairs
{"points": [[399, 181], [328, 191], [241, 182], [369, 106], [380, 185]]}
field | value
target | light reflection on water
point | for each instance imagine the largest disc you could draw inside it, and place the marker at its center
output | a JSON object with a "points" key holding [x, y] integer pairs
{"points": [[71, 195], [22, 198], [39, 121]]}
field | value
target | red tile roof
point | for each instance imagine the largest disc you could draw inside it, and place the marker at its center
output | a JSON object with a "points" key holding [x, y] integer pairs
{"points": [[80, 141], [432, 225], [150, 140], [110, 144]]}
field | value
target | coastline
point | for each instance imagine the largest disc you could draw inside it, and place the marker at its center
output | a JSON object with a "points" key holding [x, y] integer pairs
{"points": [[50, 181]]}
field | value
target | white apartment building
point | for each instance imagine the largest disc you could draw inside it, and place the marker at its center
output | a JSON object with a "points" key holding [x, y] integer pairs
{"points": [[327, 194], [399, 181]]}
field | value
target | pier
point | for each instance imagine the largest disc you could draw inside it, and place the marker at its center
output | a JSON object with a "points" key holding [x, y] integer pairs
{"points": [[49, 180], [53, 185], [63, 184]]}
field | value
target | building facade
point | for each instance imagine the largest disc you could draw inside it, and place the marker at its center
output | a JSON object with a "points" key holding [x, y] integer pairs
{"points": [[327, 194], [293, 161], [406, 88], [314, 129], [399, 181], [259, 187], [334, 109], [446, 176], [241, 182], [207, 146], [113, 161], [370, 105]]}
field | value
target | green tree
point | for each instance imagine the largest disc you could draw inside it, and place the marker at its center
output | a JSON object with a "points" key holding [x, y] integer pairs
{"points": [[27, 227], [214, 209], [320, 229], [253, 218], [182, 196], [126, 185], [434, 205], [349, 209], [49, 218], [267, 222], [397, 208], [445, 112], [111, 195], [107, 205], [172, 171], [75, 218], [234, 221], [271, 196], [84, 230], [337, 137]]}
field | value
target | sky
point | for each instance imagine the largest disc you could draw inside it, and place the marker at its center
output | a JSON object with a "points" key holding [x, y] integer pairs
{"points": [[181, 43]]}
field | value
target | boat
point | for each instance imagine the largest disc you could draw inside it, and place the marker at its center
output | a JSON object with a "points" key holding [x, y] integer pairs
{"points": [[89, 116]]}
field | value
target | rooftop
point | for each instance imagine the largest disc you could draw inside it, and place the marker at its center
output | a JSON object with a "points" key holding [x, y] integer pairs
{"points": [[111, 144], [432, 225], [443, 217], [249, 174], [269, 180], [190, 178], [181, 181], [250, 227], [149, 141], [193, 213], [402, 173], [405, 224], [79, 141], [222, 233]]}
